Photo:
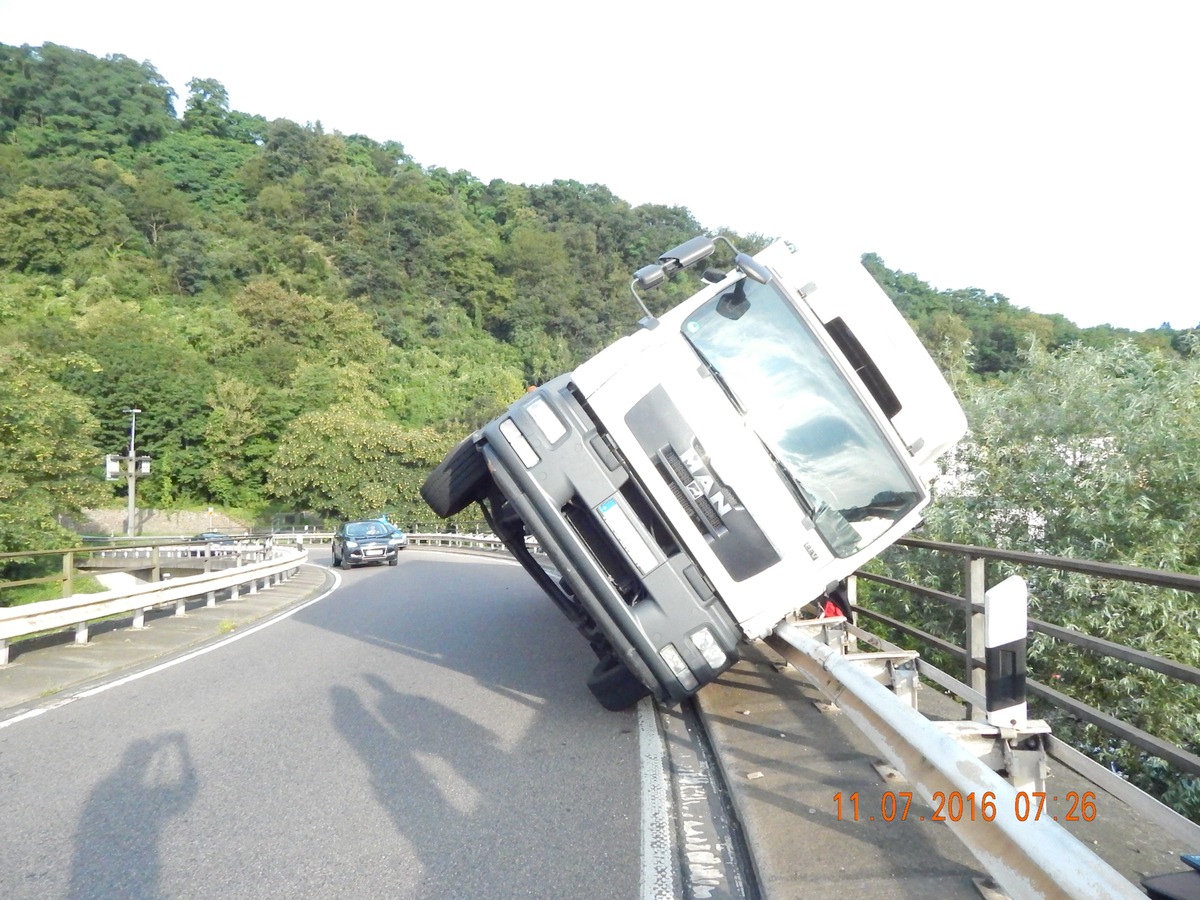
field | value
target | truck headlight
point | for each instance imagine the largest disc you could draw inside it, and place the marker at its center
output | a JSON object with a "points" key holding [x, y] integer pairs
{"points": [[673, 660], [709, 648], [517, 441], [545, 419]]}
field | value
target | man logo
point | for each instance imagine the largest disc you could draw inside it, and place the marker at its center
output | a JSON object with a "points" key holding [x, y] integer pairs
{"points": [[705, 485]]}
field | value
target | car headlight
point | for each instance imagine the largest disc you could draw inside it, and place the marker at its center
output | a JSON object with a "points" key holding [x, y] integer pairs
{"points": [[352, 545]]}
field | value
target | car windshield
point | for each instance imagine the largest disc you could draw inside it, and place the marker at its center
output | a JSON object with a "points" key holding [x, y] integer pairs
{"points": [[367, 530], [831, 453]]}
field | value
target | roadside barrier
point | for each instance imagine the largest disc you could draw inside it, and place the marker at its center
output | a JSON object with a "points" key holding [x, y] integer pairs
{"points": [[81, 610]]}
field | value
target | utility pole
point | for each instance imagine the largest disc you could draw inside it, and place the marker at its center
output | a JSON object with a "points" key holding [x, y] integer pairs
{"points": [[134, 466]]}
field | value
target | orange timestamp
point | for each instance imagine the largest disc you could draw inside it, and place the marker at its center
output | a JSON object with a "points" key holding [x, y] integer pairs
{"points": [[955, 806]]}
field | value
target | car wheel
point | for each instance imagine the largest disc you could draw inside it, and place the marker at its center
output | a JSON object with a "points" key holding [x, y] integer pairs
{"points": [[346, 564], [458, 481], [394, 561], [336, 561], [615, 686]]}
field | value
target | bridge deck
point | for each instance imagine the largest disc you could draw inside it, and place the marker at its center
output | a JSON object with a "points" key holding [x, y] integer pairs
{"points": [[786, 760]]}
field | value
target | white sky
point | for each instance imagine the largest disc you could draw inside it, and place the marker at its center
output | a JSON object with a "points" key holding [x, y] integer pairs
{"points": [[1046, 151]]}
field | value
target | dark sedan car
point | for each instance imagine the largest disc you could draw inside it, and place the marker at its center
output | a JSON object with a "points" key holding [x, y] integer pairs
{"points": [[212, 537], [368, 541]]}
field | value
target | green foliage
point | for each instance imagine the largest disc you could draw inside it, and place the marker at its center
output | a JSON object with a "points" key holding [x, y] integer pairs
{"points": [[57, 100], [41, 229], [1092, 454], [342, 463], [49, 462]]}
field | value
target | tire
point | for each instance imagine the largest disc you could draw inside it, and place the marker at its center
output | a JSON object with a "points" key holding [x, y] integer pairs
{"points": [[336, 561], [394, 561], [346, 564], [458, 480], [615, 686]]}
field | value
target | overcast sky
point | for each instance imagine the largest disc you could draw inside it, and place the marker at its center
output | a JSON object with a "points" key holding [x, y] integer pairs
{"points": [[1046, 151]]}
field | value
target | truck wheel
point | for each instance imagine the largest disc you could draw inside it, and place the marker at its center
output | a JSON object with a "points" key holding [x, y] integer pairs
{"points": [[615, 686], [458, 481]]}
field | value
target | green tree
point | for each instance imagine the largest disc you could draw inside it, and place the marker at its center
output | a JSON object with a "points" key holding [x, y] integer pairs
{"points": [[237, 443], [40, 230], [207, 108], [59, 100], [137, 360], [1092, 454], [343, 462], [49, 461]]}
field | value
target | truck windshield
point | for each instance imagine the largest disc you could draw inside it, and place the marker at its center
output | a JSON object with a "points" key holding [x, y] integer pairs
{"points": [[831, 453]]}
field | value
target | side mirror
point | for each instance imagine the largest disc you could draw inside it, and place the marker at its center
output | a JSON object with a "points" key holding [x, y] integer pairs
{"points": [[752, 268], [687, 254], [650, 276]]}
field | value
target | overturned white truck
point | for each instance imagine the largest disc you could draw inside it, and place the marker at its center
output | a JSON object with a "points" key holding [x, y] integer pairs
{"points": [[729, 462]]}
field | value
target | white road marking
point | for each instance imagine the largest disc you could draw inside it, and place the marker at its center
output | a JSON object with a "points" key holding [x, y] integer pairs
{"points": [[209, 648], [658, 870]]}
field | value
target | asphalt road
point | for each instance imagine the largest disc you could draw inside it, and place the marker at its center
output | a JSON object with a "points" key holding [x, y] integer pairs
{"points": [[409, 735]]}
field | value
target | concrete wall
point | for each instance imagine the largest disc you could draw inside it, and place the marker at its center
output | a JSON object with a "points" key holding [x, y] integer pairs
{"points": [[152, 522]]}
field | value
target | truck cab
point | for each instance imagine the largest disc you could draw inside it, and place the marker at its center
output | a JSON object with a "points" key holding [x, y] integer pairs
{"points": [[695, 482]]}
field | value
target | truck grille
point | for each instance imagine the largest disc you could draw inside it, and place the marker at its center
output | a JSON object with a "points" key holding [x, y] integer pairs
{"points": [[703, 513]]}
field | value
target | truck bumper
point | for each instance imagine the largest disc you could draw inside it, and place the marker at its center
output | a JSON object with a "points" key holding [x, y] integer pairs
{"points": [[611, 547]]}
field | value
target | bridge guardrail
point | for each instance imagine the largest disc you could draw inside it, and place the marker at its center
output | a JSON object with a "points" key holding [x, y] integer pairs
{"points": [[80, 610], [970, 604]]}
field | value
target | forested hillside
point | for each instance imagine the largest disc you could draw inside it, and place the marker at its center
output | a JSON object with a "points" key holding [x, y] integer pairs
{"points": [[291, 309], [308, 321]]}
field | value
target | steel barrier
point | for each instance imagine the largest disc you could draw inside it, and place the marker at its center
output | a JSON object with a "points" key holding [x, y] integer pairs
{"points": [[80, 610]]}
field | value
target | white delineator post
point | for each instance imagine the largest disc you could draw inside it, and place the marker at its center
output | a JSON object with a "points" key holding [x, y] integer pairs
{"points": [[1006, 626]]}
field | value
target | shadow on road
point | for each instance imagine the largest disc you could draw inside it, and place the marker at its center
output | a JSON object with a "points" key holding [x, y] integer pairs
{"points": [[481, 741], [117, 841]]}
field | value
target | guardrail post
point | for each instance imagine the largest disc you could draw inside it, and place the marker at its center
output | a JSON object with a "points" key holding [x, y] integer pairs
{"points": [[68, 570], [852, 602], [81, 632], [210, 599], [3, 651], [139, 617], [155, 564], [973, 646]]}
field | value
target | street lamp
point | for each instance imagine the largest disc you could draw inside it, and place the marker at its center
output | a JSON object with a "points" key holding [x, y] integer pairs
{"points": [[131, 473]]}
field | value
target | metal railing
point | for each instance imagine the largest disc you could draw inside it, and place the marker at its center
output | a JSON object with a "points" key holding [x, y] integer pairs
{"points": [[1028, 857], [271, 566], [68, 563], [963, 758], [970, 605]]}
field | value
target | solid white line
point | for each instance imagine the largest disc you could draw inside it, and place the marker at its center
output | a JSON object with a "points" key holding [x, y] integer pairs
{"points": [[658, 870], [209, 648]]}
